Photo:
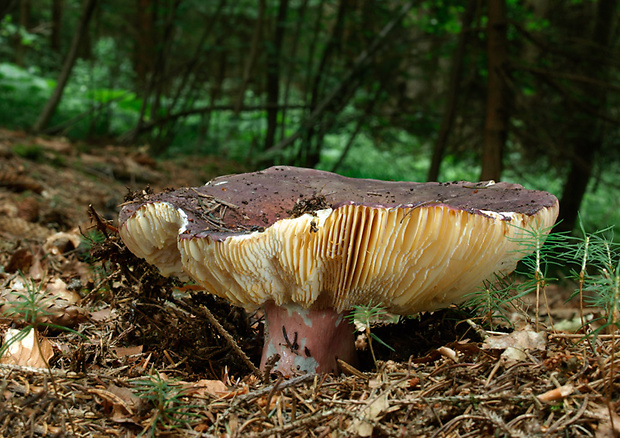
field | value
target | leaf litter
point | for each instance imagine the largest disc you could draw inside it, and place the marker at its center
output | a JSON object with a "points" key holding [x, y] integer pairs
{"points": [[151, 356]]}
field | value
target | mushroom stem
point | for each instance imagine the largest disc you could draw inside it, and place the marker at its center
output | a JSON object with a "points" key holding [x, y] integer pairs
{"points": [[307, 340]]}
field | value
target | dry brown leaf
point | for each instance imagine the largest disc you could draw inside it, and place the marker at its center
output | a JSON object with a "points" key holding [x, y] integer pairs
{"points": [[370, 413], [128, 351], [101, 315], [609, 427], [26, 349], [523, 339], [204, 387], [62, 242], [58, 288], [55, 307], [119, 403]]}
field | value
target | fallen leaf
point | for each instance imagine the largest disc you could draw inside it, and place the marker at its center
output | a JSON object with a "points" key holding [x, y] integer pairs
{"points": [[609, 422], [370, 413], [22, 349], [58, 288], [62, 242], [449, 353], [205, 386], [128, 351], [512, 353], [119, 403], [101, 315], [524, 339]]}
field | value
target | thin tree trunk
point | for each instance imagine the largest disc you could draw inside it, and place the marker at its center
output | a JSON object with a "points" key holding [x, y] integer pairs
{"points": [[360, 62], [144, 43], [186, 86], [316, 31], [498, 98], [588, 130], [57, 9], [291, 64], [309, 151], [160, 77], [456, 73], [54, 100], [24, 22], [155, 82], [249, 66], [358, 127], [273, 75]]}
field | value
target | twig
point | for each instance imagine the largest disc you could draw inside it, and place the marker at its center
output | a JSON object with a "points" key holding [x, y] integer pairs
{"points": [[222, 331], [302, 424], [281, 385], [231, 341], [562, 422]]}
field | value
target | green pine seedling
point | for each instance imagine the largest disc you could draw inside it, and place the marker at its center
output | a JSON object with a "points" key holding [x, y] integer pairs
{"points": [[165, 396], [540, 247], [30, 308], [494, 300], [364, 317], [598, 278]]}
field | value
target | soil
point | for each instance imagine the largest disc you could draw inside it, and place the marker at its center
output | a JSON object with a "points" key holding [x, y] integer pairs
{"points": [[122, 351]]}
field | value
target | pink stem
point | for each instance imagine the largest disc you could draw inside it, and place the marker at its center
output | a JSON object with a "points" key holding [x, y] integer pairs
{"points": [[307, 340]]}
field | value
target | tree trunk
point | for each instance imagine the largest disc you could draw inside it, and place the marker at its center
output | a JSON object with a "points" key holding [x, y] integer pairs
{"points": [[588, 130], [291, 65], [145, 41], [346, 86], [498, 98], [273, 75], [24, 22], [55, 40], [54, 100], [249, 65], [453, 92], [310, 149]]}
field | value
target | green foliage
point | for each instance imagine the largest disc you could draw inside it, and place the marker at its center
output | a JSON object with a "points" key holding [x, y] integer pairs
{"points": [[598, 278], [29, 308], [495, 300], [34, 152], [11, 31], [30, 305], [23, 95], [165, 396], [591, 261], [363, 317]]}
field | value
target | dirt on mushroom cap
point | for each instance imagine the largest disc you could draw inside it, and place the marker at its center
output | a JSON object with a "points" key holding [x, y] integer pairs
{"points": [[247, 202]]}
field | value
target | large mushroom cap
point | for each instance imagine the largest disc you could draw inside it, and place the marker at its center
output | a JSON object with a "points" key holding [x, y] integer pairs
{"points": [[320, 240]]}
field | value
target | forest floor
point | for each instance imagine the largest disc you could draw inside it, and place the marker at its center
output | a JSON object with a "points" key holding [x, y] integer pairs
{"points": [[110, 348]]}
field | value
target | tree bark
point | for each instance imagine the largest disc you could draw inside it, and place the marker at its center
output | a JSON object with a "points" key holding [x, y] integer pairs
{"points": [[588, 130], [273, 75], [453, 92], [498, 98], [54, 100], [291, 65], [55, 40], [254, 49], [145, 41], [24, 22], [344, 86], [310, 150]]}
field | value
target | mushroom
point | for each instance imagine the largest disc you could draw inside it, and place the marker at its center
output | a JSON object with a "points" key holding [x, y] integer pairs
{"points": [[308, 245]]}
